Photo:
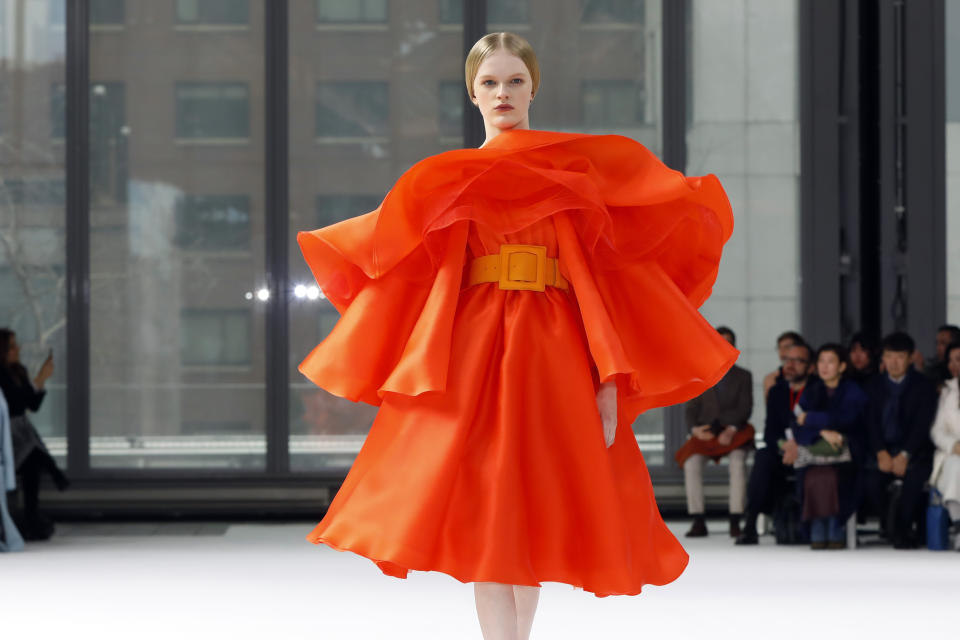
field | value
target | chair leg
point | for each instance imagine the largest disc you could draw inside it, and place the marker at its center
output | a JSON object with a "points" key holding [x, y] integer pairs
{"points": [[852, 531]]}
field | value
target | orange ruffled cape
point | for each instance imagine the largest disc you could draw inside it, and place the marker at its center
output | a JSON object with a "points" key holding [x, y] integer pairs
{"points": [[486, 460]]}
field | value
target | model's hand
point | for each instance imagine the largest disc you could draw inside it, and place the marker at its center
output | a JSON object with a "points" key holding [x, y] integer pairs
{"points": [[726, 436], [835, 438], [884, 461], [802, 418], [956, 448], [899, 465], [607, 405], [790, 451]]}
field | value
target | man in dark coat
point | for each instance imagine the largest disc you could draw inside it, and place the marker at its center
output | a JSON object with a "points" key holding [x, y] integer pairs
{"points": [[901, 406], [718, 416], [768, 479]]}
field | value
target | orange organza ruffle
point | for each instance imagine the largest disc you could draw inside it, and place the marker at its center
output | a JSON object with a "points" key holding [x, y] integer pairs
{"points": [[486, 460], [642, 245]]}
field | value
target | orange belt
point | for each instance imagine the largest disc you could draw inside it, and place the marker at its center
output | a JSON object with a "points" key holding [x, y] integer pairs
{"points": [[517, 266]]}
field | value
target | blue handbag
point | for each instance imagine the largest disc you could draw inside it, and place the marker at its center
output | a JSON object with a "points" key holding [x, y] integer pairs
{"points": [[938, 523]]}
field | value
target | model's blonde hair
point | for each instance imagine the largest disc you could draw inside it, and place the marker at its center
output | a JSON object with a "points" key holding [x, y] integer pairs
{"points": [[507, 41]]}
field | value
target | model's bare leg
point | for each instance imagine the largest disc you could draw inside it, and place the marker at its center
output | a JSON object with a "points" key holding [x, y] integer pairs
{"points": [[496, 610], [526, 599]]}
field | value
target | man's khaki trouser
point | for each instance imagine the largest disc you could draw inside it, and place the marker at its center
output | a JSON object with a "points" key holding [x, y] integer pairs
{"points": [[693, 481]]}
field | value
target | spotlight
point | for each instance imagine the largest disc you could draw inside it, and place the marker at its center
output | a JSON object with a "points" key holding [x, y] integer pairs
{"points": [[313, 292], [263, 294], [300, 291], [248, 295]]}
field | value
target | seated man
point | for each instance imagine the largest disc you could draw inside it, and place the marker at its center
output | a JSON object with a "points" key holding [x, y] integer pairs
{"points": [[901, 405], [936, 368], [862, 355], [768, 479], [717, 420], [784, 341]]}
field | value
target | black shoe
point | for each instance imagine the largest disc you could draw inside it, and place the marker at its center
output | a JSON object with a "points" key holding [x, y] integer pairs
{"points": [[698, 529], [38, 528], [904, 542], [836, 544], [748, 537]]}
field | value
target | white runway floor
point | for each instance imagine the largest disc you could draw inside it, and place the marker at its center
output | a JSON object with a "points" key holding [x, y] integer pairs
{"points": [[185, 581]]}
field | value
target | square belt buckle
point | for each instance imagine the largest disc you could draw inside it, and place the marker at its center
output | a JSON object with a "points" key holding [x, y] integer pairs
{"points": [[523, 266]]}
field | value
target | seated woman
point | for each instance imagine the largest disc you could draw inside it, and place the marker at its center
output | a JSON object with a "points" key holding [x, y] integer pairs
{"points": [[31, 457], [828, 418], [945, 434]]}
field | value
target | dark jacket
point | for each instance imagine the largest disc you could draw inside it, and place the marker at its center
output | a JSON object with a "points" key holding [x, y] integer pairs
{"points": [[918, 407], [19, 392], [842, 411], [779, 415], [730, 401]]}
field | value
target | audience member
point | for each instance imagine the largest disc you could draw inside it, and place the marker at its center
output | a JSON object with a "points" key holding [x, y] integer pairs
{"points": [[828, 421], [785, 340], [900, 410], [862, 356], [717, 421], [30, 454], [768, 479], [10, 538], [946, 436], [936, 368]]}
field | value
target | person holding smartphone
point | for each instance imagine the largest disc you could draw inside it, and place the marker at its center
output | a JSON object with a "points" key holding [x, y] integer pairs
{"points": [[31, 458]]}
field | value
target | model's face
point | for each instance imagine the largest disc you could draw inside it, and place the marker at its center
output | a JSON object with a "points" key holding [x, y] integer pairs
{"points": [[953, 363], [503, 91], [896, 363], [943, 341], [829, 367], [859, 357]]}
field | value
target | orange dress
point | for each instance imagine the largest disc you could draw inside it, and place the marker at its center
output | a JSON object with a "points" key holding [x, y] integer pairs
{"points": [[486, 460]]}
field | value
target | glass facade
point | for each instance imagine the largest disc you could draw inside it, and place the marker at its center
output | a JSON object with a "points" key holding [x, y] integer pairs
{"points": [[953, 158], [178, 292], [399, 99], [377, 100], [177, 376], [743, 125], [33, 198]]}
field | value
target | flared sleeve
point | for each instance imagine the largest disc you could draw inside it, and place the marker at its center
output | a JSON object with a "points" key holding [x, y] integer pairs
{"points": [[639, 243], [395, 326]]}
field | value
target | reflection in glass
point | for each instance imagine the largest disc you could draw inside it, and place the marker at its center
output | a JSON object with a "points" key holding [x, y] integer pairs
{"points": [[212, 110], [375, 102], [613, 11], [601, 79], [499, 12], [352, 11], [213, 12], [215, 337], [176, 239], [102, 12], [213, 223], [352, 109], [33, 199]]}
